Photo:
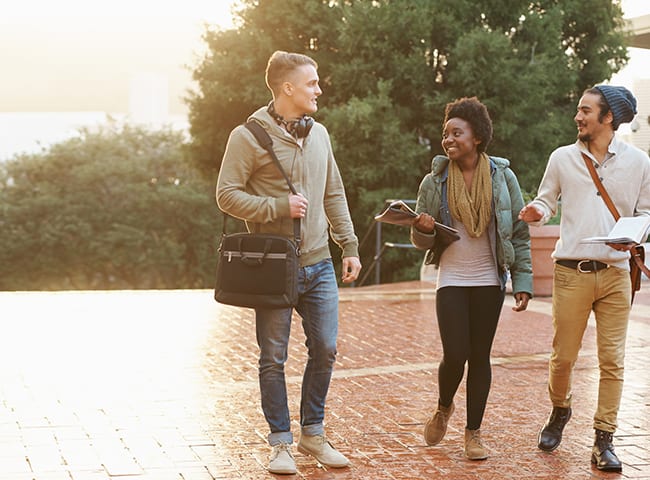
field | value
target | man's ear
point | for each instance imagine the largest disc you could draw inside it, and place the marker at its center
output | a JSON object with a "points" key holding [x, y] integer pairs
{"points": [[609, 118]]}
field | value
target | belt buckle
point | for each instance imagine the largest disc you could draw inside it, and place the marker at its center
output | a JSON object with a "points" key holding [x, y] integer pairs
{"points": [[579, 268]]}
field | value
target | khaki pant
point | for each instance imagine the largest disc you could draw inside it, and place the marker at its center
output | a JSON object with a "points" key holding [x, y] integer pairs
{"points": [[575, 294]]}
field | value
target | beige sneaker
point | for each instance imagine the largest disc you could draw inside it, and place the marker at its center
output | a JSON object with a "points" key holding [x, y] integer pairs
{"points": [[318, 447], [282, 461], [436, 426], [474, 449]]}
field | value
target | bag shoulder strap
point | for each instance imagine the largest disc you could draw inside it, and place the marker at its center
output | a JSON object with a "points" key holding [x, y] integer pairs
{"points": [[634, 253], [601, 188], [265, 141]]}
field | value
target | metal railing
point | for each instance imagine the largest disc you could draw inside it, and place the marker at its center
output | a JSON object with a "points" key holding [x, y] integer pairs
{"points": [[380, 247]]}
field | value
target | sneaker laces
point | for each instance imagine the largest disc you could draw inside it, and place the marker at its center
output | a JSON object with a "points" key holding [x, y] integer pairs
{"points": [[323, 441], [442, 414], [279, 448], [476, 438]]}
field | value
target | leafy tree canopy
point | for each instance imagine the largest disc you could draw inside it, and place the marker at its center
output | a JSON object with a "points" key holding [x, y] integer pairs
{"points": [[114, 208], [388, 67]]}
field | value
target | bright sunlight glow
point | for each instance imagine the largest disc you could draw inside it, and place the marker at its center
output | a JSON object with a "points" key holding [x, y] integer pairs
{"points": [[215, 12], [81, 55]]}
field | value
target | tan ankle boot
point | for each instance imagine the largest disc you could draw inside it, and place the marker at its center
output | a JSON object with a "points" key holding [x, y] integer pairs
{"points": [[474, 449], [436, 426]]}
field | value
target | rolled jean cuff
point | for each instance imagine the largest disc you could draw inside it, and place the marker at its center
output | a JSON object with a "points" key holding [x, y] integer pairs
{"points": [[312, 430], [277, 438]]}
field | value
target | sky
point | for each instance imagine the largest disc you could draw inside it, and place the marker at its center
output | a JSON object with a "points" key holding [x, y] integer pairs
{"points": [[90, 55], [83, 55], [637, 67]]}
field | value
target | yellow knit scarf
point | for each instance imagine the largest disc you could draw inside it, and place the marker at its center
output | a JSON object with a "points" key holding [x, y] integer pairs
{"points": [[472, 207]]}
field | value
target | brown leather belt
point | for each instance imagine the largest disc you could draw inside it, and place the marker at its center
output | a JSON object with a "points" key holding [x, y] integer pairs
{"points": [[583, 266]]}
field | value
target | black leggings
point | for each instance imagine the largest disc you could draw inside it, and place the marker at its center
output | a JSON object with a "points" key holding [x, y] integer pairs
{"points": [[467, 320]]}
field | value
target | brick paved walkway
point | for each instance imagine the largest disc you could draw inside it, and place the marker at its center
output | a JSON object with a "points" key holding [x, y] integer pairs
{"points": [[163, 385]]}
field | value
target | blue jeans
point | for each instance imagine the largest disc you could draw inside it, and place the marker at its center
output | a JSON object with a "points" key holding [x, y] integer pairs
{"points": [[318, 307]]}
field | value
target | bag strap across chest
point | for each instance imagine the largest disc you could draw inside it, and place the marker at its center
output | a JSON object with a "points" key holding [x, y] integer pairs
{"points": [[601, 188], [612, 208], [265, 141]]}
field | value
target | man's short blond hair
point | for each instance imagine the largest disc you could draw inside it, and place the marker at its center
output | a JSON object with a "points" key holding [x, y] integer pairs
{"points": [[280, 66]]}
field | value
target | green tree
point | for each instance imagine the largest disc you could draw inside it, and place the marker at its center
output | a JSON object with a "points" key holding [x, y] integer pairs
{"points": [[388, 67], [115, 208], [230, 78]]}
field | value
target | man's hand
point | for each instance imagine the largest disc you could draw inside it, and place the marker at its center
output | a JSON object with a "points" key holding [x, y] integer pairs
{"points": [[530, 213], [297, 205], [351, 269], [521, 301], [621, 247]]}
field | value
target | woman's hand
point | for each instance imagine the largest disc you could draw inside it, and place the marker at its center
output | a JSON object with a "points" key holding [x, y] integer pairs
{"points": [[521, 301], [424, 223]]}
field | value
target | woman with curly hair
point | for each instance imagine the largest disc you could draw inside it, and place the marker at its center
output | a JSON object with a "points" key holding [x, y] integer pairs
{"points": [[478, 195]]}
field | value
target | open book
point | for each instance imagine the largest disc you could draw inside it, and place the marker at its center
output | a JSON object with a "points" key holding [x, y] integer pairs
{"points": [[626, 230], [399, 213]]}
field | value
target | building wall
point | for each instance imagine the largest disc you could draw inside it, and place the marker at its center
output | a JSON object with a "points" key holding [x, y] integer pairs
{"points": [[640, 126]]}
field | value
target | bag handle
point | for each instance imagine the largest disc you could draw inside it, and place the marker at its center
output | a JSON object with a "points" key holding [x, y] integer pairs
{"points": [[612, 208], [254, 261]]}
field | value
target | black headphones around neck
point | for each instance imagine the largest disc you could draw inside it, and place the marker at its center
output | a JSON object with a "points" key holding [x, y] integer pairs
{"points": [[299, 128]]}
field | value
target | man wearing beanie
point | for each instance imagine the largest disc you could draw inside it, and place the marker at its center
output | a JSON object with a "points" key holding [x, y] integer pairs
{"points": [[589, 276]]}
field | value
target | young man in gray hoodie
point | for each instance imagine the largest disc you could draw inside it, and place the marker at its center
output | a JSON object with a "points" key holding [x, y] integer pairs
{"points": [[252, 188]]}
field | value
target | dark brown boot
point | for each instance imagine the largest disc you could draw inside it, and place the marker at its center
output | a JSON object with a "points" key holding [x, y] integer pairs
{"points": [[551, 434], [602, 454]]}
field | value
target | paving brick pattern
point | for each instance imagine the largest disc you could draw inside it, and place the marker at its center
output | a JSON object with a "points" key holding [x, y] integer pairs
{"points": [[163, 385]]}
